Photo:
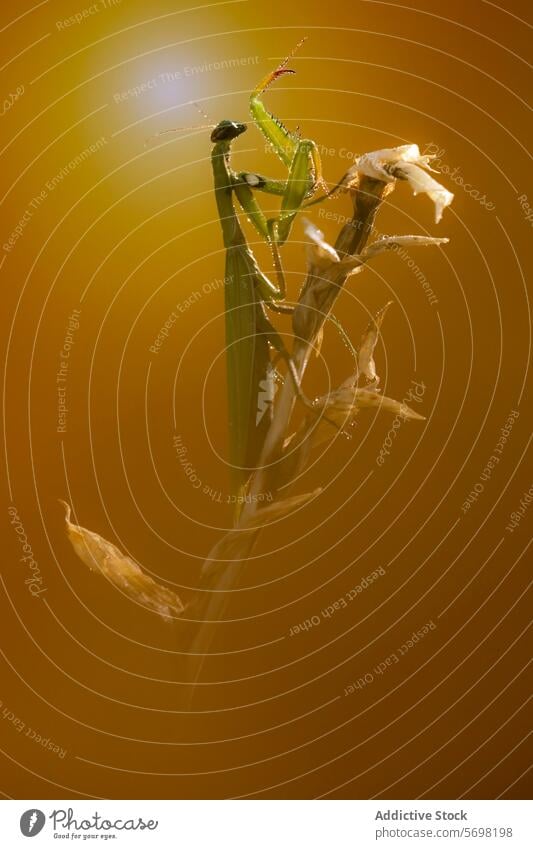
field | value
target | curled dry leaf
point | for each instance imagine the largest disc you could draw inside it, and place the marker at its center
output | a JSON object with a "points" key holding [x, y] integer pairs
{"points": [[104, 557], [405, 163], [423, 183], [377, 164], [369, 339]]}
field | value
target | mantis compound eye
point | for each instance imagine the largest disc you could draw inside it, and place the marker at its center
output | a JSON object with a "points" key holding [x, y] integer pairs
{"points": [[227, 130]]}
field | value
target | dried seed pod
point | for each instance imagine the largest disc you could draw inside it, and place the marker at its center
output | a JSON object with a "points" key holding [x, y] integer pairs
{"points": [[104, 557]]}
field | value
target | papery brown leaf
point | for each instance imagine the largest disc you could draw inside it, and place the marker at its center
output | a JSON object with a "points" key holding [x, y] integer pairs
{"points": [[104, 557], [369, 339], [339, 409], [334, 414]]}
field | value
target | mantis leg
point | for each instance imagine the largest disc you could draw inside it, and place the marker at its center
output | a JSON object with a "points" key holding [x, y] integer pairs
{"points": [[286, 145], [263, 226], [267, 230], [304, 176], [274, 339], [265, 327], [260, 183], [277, 135], [300, 185]]}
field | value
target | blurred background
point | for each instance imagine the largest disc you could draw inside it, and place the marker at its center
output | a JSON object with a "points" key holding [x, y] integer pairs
{"points": [[113, 341]]}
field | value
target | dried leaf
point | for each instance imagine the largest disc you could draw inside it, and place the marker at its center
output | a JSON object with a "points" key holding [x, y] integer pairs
{"points": [[369, 339], [367, 195], [104, 557], [320, 253], [377, 163], [339, 409], [322, 257], [405, 163], [372, 398], [423, 183], [390, 243], [335, 412]]}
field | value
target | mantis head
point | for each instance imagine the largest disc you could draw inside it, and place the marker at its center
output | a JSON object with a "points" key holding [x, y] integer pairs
{"points": [[227, 130]]}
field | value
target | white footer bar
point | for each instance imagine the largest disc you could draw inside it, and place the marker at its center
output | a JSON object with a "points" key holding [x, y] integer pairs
{"points": [[268, 824]]}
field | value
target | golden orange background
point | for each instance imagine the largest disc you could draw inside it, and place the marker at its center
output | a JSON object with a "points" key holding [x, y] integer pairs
{"points": [[129, 233]]}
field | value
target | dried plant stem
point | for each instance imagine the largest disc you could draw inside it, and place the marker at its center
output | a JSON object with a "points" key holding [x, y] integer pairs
{"points": [[351, 240], [220, 574], [225, 562]]}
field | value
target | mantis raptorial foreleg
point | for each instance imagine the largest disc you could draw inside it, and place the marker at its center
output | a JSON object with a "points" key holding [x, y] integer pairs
{"points": [[301, 156], [264, 227]]}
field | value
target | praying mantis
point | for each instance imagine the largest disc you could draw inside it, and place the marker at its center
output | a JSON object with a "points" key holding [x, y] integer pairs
{"points": [[250, 336], [249, 333]]}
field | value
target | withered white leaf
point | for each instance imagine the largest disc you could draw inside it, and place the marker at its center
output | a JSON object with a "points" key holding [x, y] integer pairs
{"points": [[321, 254], [376, 164], [423, 183], [104, 557], [323, 257], [369, 339], [406, 163]]}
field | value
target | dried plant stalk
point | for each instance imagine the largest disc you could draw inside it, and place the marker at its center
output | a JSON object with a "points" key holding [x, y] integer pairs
{"points": [[284, 455]]}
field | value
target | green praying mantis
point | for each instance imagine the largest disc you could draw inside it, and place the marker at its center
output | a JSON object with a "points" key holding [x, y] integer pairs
{"points": [[249, 333], [250, 336]]}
